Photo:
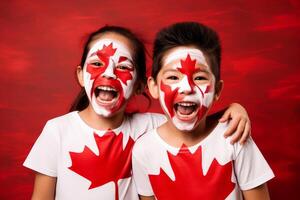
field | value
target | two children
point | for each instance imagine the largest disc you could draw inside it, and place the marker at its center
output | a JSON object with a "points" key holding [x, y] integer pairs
{"points": [[187, 157], [86, 154]]}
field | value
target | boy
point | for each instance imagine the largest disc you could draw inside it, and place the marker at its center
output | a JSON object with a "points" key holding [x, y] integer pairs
{"points": [[187, 157]]}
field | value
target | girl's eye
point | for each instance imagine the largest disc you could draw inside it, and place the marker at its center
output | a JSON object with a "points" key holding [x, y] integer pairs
{"points": [[172, 78], [123, 67], [98, 64]]}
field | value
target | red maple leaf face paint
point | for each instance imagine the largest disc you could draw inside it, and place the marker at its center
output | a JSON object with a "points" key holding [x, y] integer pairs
{"points": [[186, 87], [109, 76]]}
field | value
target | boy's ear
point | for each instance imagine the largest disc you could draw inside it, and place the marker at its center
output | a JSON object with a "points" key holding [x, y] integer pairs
{"points": [[79, 72], [153, 87], [218, 88]]}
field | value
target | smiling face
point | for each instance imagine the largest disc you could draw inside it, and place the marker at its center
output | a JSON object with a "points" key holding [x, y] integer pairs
{"points": [[185, 87], [109, 74]]}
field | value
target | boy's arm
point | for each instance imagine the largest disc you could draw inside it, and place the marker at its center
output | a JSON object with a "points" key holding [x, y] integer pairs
{"points": [[146, 198], [239, 125], [44, 187], [260, 192]]}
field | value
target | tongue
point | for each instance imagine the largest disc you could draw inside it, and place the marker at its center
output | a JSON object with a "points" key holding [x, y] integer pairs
{"points": [[106, 95], [185, 110]]}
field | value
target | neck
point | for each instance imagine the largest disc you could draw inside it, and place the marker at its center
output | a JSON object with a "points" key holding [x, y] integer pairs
{"points": [[100, 122], [176, 137]]}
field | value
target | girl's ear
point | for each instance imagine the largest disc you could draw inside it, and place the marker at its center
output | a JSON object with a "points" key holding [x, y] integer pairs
{"points": [[79, 72], [153, 87], [219, 87]]}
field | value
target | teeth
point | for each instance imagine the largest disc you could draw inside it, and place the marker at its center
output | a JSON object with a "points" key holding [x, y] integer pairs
{"points": [[187, 104], [106, 88]]}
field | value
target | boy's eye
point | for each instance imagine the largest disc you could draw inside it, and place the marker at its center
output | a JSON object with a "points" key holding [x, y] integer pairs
{"points": [[98, 64], [199, 78], [172, 78]]}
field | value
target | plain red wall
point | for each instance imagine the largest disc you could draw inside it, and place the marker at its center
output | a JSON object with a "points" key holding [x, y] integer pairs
{"points": [[41, 44]]}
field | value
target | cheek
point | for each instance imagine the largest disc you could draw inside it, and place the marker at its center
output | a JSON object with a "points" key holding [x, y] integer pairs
{"points": [[125, 76], [127, 81], [169, 97]]}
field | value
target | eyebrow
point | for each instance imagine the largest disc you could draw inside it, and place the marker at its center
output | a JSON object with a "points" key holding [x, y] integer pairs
{"points": [[93, 54], [201, 69]]}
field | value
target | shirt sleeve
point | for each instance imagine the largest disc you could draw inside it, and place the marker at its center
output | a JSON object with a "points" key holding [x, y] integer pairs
{"points": [[158, 120], [44, 153], [140, 177], [251, 168]]}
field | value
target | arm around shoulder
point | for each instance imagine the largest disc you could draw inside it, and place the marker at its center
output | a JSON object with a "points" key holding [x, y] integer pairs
{"points": [[258, 193], [146, 197], [44, 187]]}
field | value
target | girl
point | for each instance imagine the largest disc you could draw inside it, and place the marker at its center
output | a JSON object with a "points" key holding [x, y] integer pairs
{"points": [[86, 154], [187, 157]]}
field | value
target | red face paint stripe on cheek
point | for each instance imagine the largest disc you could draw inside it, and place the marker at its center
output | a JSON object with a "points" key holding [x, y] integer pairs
{"points": [[169, 97], [209, 89], [95, 71], [124, 76], [201, 112]]}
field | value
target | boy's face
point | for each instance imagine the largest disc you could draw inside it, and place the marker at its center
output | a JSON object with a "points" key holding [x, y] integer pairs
{"points": [[185, 86], [109, 75]]}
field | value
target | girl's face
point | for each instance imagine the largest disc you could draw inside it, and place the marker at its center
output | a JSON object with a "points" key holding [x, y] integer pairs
{"points": [[185, 86], [109, 74]]}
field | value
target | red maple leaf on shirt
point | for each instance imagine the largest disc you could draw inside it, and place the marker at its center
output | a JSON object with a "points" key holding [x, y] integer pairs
{"points": [[112, 163], [190, 182]]}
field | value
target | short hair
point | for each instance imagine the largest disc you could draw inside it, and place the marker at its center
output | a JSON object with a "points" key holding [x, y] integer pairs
{"points": [[187, 34]]}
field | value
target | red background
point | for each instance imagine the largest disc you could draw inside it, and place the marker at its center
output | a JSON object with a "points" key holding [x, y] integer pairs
{"points": [[41, 44]]}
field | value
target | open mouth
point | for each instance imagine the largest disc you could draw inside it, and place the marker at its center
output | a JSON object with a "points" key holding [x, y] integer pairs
{"points": [[186, 110], [106, 94]]}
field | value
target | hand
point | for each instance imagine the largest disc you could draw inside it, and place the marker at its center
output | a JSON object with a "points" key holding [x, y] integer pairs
{"points": [[239, 125]]}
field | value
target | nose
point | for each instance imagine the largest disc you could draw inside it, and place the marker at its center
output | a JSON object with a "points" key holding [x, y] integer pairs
{"points": [[185, 87], [109, 72]]}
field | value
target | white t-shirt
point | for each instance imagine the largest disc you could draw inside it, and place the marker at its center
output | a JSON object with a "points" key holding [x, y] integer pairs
{"points": [[211, 169], [88, 162]]}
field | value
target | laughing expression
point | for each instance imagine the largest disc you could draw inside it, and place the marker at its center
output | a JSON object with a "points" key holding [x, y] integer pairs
{"points": [[109, 76], [186, 87]]}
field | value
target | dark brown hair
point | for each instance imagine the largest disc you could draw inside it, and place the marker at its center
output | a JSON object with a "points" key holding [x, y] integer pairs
{"points": [[187, 34]]}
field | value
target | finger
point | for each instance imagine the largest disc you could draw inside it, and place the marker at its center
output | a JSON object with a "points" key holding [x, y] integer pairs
{"points": [[237, 135], [246, 133], [233, 124], [225, 117]]}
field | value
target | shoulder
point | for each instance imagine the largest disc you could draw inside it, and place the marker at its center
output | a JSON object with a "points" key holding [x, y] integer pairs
{"points": [[148, 116], [143, 122], [63, 119], [217, 134], [144, 143], [60, 124]]}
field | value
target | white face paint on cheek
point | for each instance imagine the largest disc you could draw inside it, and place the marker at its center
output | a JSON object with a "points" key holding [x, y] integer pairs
{"points": [[111, 54]]}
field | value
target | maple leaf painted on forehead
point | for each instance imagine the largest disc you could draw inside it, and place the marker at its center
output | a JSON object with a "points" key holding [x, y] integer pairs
{"points": [[107, 50], [188, 66], [190, 182]]}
